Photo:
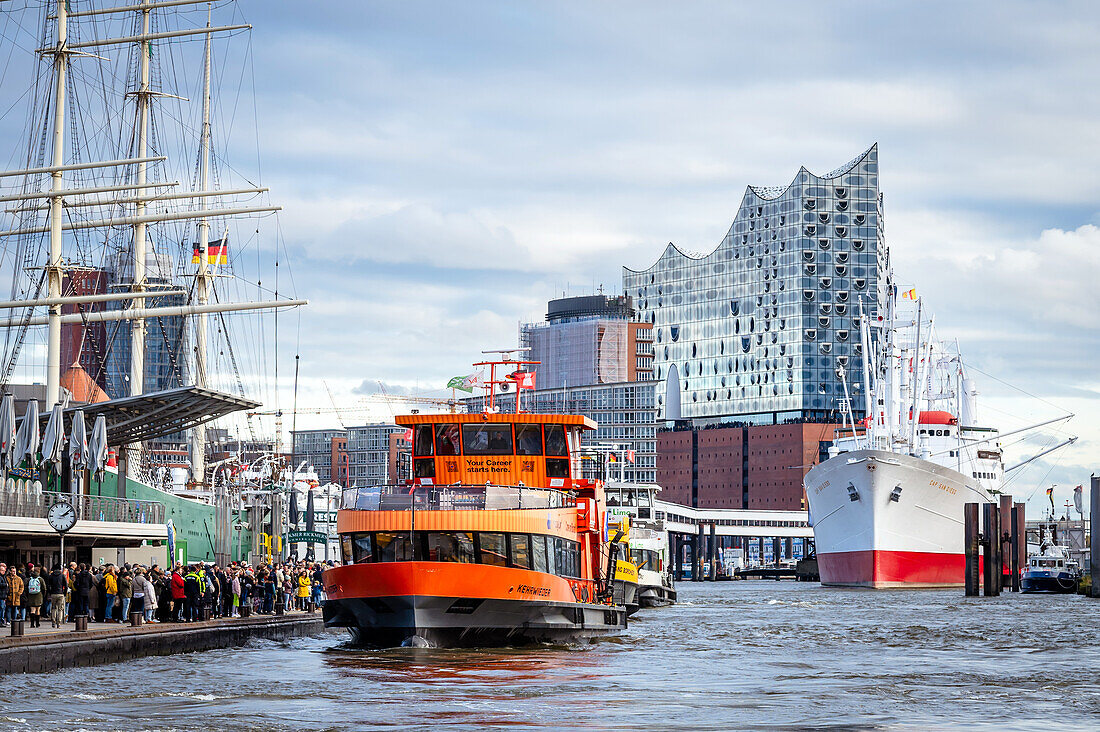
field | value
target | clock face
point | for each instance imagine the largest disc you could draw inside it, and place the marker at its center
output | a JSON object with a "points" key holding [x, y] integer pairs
{"points": [[61, 516]]}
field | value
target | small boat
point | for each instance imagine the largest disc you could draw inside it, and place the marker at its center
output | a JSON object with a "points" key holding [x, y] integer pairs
{"points": [[494, 541], [1051, 570], [648, 540]]}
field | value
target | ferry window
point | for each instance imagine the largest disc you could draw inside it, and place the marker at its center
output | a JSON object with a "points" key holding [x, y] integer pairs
{"points": [[492, 550], [424, 468], [521, 554], [345, 546], [538, 554], [362, 548], [557, 468], [555, 440], [528, 439], [422, 440], [455, 546], [487, 439], [446, 439], [393, 547]]}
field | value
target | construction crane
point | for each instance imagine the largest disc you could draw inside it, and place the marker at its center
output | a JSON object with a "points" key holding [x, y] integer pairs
{"points": [[450, 404], [339, 417]]}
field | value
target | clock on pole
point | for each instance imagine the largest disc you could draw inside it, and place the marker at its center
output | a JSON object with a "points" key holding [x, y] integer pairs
{"points": [[62, 517]]}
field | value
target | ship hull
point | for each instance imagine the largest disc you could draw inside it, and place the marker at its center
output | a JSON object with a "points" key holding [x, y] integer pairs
{"points": [[885, 520], [1063, 585], [652, 591], [460, 622], [463, 605]]}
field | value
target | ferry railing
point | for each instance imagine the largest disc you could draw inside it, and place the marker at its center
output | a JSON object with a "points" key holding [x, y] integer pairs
{"points": [[451, 498], [29, 503]]}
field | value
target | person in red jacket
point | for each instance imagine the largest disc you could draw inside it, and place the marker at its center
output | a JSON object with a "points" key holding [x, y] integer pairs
{"points": [[178, 594]]}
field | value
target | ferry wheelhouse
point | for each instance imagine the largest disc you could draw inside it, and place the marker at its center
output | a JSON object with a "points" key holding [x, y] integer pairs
{"points": [[495, 540]]}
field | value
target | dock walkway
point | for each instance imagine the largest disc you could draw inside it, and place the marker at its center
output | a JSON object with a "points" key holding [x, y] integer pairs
{"points": [[49, 649]]}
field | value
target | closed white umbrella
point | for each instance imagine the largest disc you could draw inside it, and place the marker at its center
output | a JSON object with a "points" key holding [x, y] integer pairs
{"points": [[26, 444], [7, 431], [97, 447], [53, 439], [78, 450]]}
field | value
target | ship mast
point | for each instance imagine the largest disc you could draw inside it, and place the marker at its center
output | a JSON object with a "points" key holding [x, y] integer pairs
{"points": [[53, 266], [202, 277]]}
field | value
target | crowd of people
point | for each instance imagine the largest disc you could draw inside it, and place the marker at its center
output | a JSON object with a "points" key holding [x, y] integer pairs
{"points": [[183, 593]]}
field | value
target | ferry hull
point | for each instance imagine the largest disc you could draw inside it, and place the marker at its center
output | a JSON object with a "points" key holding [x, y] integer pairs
{"points": [[459, 622], [886, 520], [463, 605], [1055, 585], [652, 591]]}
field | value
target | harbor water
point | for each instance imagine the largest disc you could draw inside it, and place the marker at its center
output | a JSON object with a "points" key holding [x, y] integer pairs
{"points": [[757, 654]]}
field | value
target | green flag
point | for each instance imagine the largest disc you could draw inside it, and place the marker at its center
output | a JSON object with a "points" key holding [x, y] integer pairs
{"points": [[459, 382]]}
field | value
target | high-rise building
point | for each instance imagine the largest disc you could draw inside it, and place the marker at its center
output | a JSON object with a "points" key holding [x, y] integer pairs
{"points": [[589, 340], [626, 415], [316, 448], [369, 454], [166, 352], [756, 330]]}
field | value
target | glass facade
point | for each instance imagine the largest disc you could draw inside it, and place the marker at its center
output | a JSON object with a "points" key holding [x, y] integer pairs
{"points": [[369, 454], [626, 414], [760, 325]]}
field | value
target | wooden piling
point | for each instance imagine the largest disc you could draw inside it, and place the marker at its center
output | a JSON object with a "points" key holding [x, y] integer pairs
{"points": [[1019, 544], [971, 546], [713, 546], [1005, 525], [1094, 551], [991, 572]]}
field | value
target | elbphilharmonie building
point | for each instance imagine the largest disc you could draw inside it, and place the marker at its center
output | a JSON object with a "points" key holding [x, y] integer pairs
{"points": [[756, 330]]}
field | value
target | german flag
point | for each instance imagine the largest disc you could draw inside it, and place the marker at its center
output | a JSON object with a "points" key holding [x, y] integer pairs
{"points": [[217, 252]]}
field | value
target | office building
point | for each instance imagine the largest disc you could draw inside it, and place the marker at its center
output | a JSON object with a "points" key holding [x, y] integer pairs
{"points": [[626, 414], [368, 451], [589, 340], [317, 449], [756, 330]]}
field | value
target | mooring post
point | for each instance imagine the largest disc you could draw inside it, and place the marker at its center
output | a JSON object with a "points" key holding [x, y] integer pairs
{"points": [[990, 514], [713, 552], [971, 544], [1019, 544], [1005, 522], [678, 558], [697, 556], [1094, 523]]}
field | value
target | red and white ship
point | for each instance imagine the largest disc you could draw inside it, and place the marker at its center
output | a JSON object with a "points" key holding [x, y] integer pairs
{"points": [[887, 506]]}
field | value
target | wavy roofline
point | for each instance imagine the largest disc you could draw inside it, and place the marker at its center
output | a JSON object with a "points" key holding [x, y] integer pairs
{"points": [[755, 190]]}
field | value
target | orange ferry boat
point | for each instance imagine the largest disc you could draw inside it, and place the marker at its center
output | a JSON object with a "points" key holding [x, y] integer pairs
{"points": [[494, 541]]}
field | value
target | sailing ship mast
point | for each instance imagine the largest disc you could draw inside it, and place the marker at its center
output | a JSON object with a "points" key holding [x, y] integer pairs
{"points": [[140, 192]]}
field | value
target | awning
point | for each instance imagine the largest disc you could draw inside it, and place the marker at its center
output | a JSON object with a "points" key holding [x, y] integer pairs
{"points": [[146, 417]]}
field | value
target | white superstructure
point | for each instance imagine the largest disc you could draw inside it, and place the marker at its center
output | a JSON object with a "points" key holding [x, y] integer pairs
{"points": [[887, 506]]}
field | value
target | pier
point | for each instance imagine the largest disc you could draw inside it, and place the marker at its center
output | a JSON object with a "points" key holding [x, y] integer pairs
{"points": [[40, 650], [702, 534]]}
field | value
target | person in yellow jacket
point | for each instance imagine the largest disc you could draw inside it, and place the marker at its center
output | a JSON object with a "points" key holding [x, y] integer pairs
{"points": [[304, 587], [110, 589]]}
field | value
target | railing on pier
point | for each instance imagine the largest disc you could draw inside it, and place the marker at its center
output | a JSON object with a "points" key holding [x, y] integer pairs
{"points": [[28, 503], [451, 498]]}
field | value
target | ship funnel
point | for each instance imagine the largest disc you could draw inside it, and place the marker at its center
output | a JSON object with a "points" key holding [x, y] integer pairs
{"points": [[968, 404]]}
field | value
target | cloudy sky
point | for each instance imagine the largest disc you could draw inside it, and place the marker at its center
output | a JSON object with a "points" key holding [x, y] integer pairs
{"points": [[445, 168]]}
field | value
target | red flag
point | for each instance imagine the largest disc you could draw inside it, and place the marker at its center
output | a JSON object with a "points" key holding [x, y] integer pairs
{"points": [[408, 436], [523, 379], [630, 455]]}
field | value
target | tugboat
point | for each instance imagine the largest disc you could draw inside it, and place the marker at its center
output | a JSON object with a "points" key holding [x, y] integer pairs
{"points": [[1051, 570], [494, 541]]}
